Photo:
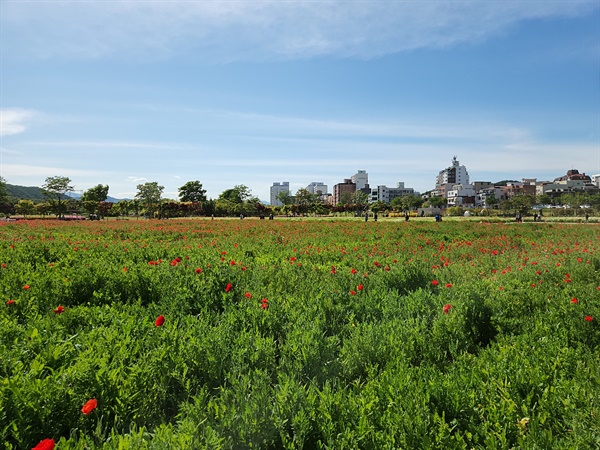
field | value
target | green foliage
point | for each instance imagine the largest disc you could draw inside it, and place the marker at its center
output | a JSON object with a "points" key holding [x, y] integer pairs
{"points": [[192, 191], [56, 189], [299, 334], [3, 191], [149, 195], [24, 192]]}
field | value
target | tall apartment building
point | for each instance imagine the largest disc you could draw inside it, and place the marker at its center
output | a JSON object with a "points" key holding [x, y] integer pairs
{"points": [[343, 188], [317, 187], [361, 179], [455, 174], [276, 189]]}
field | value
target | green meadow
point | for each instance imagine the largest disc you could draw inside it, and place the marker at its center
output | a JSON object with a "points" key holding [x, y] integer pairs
{"points": [[299, 334]]}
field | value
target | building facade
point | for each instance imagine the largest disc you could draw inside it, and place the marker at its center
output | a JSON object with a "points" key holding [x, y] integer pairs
{"points": [[347, 187], [386, 194], [361, 179], [461, 195], [447, 178], [317, 188], [276, 189]]}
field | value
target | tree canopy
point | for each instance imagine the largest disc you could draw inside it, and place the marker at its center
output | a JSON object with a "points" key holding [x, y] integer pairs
{"points": [[98, 193], [192, 192], [149, 195], [238, 194], [3, 190], [55, 189]]}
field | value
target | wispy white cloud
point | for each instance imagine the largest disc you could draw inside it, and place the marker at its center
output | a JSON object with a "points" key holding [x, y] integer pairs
{"points": [[133, 179], [239, 30], [12, 121], [32, 170]]}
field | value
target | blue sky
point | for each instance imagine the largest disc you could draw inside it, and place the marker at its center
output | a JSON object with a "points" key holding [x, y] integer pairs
{"points": [[252, 92]]}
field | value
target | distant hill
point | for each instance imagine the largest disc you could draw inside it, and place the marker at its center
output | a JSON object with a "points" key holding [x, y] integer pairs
{"points": [[109, 199], [24, 192], [36, 193], [505, 182]]}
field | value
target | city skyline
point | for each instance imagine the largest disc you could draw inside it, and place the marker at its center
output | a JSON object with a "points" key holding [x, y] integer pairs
{"points": [[228, 93]]}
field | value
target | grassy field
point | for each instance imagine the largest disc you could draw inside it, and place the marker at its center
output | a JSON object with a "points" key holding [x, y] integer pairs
{"points": [[304, 333]]}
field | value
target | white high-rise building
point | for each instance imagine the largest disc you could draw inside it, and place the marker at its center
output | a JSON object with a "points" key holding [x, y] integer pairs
{"points": [[276, 189], [361, 179], [387, 194], [317, 187], [455, 174]]}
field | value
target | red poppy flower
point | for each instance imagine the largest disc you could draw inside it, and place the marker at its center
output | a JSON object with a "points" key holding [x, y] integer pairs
{"points": [[46, 444], [333, 270], [353, 271], [589, 318], [160, 320], [228, 287], [360, 287], [26, 287], [89, 406], [3, 266], [59, 309], [248, 294], [574, 300], [352, 292], [435, 282], [10, 302], [264, 303], [448, 285], [198, 270], [447, 307], [232, 263]]}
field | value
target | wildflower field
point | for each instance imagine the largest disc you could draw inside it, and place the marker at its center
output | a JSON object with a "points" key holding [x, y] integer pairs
{"points": [[285, 334]]}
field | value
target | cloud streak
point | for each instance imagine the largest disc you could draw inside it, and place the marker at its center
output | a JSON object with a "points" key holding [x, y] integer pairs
{"points": [[260, 30], [12, 121]]}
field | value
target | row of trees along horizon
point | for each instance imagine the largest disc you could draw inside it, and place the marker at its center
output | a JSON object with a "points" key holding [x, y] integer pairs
{"points": [[238, 200]]}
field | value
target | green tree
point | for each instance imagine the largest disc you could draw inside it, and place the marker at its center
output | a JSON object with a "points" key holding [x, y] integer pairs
{"points": [[93, 197], [522, 203], [491, 200], [544, 199], [306, 201], [25, 207], [437, 202], [409, 201], [105, 208], [238, 194], [396, 204], [98, 193], [285, 198], [55, 189], [149, 195], [192, 192], [43, 208], [379, 206], [345, 198], [237, 200], [3, 191]]}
